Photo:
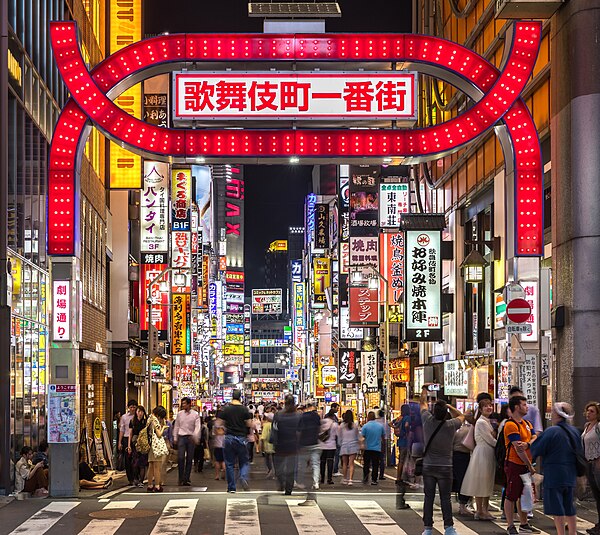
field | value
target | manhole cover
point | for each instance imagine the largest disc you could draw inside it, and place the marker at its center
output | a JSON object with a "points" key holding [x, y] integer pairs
{"points": [[116, 514]]}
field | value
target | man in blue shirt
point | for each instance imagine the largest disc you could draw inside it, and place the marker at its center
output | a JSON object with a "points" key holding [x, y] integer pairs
{"points": [[373, 434]]}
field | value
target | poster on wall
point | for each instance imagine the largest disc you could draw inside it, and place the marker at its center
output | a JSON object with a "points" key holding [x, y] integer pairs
{"points": [[63, 423], [423, 317], [368, 372], [456, 380]]}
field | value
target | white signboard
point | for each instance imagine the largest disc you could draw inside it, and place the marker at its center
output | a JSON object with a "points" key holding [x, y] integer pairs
{"points": [[364, 251], [347, 332], [154, 208], [368, 371], [330, 375], [234, 297], [181, 250], [423, 317], [301, 95], [518, 328], [61, 311], [528, 380], [394, 200], [456, 380], [532, 296], [62, 414], [267, 301]]}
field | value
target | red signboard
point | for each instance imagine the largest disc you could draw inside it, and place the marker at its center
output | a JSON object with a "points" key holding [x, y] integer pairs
{"points": [[160, 308], [518, 310], [364, 307]]}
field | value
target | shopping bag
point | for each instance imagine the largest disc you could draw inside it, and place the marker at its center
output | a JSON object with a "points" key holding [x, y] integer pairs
{"points": [[527, 498]]}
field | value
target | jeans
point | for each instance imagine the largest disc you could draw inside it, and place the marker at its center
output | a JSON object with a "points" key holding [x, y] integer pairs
{"points": [[235, 448], [310, 475], [185, 456], [327, 460], [593, 476], [250, 447], [442, 476], [127, 459], [286, 464], [371, 458]]}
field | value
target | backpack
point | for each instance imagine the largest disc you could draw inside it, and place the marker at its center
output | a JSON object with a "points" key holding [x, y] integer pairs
{"points": [[500, 450], [144, 441]]}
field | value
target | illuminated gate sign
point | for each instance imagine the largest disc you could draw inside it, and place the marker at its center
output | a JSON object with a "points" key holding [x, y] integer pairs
{"points": [[281, 95]]}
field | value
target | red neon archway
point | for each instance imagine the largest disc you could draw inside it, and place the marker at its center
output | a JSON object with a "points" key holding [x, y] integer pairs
{"points": [[500, 101]]}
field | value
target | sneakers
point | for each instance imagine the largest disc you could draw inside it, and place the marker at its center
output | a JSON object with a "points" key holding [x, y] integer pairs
{"points": [[450, 531], [315, 487], [338, 474], [307, 503], [511, 530], [244, 484], [428, 531], [374, 483], [232, 491], [528, 528]]}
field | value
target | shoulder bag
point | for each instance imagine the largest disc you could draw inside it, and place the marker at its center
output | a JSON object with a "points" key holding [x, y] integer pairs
{"points": [[419, 461], [580, 461]]}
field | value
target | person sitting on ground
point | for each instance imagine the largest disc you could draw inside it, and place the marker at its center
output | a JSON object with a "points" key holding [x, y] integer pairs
{"points": [[88, 479], [41, 454], [29, 477]]}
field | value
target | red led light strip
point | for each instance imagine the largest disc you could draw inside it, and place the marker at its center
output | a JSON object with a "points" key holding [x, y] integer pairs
{"points": [[501, 90]]}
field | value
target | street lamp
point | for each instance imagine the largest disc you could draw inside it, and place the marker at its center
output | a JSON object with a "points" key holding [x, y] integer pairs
{"points": [[473, 266]]}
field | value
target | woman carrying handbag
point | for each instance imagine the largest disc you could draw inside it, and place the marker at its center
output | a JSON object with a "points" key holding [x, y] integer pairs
{"points": [[159, 450]]}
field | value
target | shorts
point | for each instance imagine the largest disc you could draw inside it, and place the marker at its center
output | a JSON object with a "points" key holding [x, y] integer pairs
{"points": [[219, 457], [514, 483], [559, 501]]}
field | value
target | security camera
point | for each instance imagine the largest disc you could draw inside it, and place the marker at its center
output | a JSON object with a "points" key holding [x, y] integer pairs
{"points": [[149, 301]]}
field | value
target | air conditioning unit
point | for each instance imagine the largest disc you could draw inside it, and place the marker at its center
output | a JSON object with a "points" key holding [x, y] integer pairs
{"points": [[527, 9]]}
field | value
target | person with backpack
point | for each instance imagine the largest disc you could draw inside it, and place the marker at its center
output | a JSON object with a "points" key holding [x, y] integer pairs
{"points": [[560, 448], [518, 436], [439, 428]]}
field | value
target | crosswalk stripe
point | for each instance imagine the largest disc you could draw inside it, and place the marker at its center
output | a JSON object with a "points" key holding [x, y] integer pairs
{"points": [[241, 517], [45, 518], [309, 519], [98, 526], [176, 517], [375, 520]]}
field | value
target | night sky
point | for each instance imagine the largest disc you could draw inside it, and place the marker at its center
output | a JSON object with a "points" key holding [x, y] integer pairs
{"points": [[274, 193]]}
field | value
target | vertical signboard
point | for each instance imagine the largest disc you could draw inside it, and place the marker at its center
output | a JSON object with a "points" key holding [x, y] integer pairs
{"points": [[347, 361], [322, 227], [322, 278], [364, 252], [61, 311], [394, 200], [156, 109], [347, 332], [368, 371], [181, 199], [299, 306], [532, 297], [309, 217], [364, 202], [364, 307], [392, 260], [456, 379], [180, 331], [160, 300], [125, 29], [423, 317], [154, 203]]}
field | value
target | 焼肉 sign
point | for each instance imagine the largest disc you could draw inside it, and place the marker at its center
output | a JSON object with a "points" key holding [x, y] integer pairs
{"points": [[288, 95]]}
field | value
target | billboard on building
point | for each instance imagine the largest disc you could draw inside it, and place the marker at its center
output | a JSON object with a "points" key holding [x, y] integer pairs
{"points": [[181, 199], [322, 226], [392, 263], [364, 251], [180, 324], [364, 201], [321, 278], [267, 301], [364, 307], [368, 372], [160, 299], [423, 316], [202, 196], [394, 201], [154, 206], [348, 369]]}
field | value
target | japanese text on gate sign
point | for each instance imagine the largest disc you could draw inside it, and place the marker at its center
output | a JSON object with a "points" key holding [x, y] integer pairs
{"points": [[61, 310], [345, 96]]}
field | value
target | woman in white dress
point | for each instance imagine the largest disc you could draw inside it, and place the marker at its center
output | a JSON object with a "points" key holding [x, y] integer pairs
{"points": [[479, 479]]}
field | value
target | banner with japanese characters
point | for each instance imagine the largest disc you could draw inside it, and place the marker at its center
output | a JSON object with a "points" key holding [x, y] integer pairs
{"points": [[392, 262], [181, 249], [394, 200], [181, 199], [364, 251], [423, 317], [364, 307], [347, 362], [456, 379], [368, 372], [364, 201], [160, 299], [322, 226], [295, 95], [61, 311], [156, 109], [154, 206], [180, 324]]}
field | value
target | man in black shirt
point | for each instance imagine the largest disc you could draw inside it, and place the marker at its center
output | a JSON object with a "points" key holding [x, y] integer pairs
{"points": [[308, 441], [237, 420]]}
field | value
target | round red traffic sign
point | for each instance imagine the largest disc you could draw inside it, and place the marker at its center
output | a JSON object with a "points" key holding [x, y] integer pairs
{"points": [[518, 310]]}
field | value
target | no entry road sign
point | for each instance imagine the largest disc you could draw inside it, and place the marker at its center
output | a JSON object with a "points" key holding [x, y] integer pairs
{"points": [[518, 310]]}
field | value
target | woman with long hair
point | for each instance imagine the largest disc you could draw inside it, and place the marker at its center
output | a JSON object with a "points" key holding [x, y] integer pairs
{"points": [[479, 478], [139, 460], [159, 451], [590, 440], [348, 439]]}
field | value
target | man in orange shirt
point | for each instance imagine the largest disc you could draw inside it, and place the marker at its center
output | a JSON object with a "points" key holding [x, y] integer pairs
{"points": [[518, 436]]}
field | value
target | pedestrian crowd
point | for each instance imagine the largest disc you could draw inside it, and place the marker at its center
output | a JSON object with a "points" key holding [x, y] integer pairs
{"points": [[470, 453]]}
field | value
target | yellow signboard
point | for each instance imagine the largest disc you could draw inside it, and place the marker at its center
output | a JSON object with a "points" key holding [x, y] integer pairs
{"points": [[322, 275], [278, 245], [126, 28]]}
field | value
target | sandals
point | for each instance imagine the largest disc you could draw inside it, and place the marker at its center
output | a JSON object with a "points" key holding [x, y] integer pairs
{"points": [[158, 488], [150, 489], [108, 483]]}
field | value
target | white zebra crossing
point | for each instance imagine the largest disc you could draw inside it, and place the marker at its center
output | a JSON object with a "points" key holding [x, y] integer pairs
{"points": [[108, 527], [309, 520], [241, 517], [374, 518], [176, 517], [45, 518]]}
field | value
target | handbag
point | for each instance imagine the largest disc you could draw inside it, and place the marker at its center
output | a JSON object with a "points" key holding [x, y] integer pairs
{"points": [[469, 440], [144, 441], [581, 464], [419, 461]]}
